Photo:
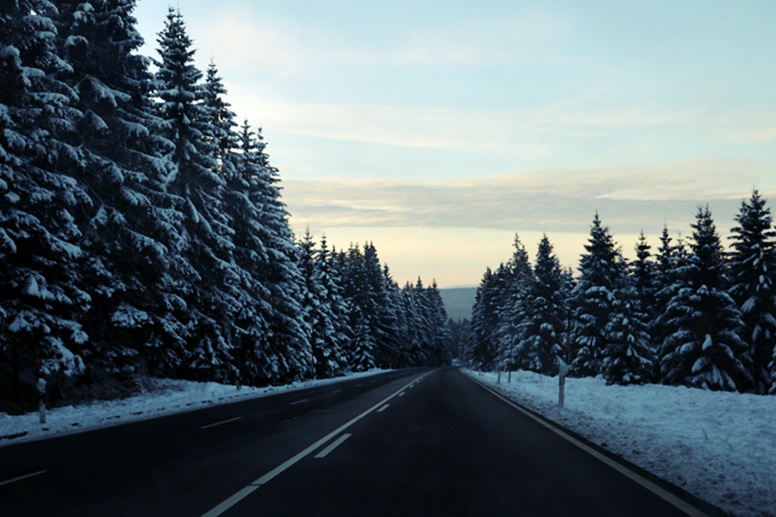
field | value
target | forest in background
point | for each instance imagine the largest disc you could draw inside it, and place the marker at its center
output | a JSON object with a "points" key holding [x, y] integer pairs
{"points": [[693, 314]]}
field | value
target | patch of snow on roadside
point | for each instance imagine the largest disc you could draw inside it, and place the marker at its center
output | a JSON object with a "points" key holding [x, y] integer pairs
{"points": [[163, 397], [719, 446]]}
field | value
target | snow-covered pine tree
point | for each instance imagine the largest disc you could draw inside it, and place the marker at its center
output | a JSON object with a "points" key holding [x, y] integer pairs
{"points": [[219, 127], [363, 343], [642, 270], [282, 353], [593, 300], [704, 348], [43, 300], [254, 356], [126, 224], [415, 326], [199, 188], [439, 339], [628, 358], [330, 281], [544, 327], [667, 280], [484, 321], [318, 312], [753, 284], [515, 279]]}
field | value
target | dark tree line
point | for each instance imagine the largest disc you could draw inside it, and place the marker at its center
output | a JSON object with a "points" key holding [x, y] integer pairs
{"points": [[142, 230], [693, 314]]}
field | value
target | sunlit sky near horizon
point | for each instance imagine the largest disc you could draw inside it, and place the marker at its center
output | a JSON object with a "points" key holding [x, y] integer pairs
{"points": [[438, 130]]}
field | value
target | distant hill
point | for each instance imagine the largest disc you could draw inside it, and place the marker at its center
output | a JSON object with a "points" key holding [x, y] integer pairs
{"points": [[459, 302]]}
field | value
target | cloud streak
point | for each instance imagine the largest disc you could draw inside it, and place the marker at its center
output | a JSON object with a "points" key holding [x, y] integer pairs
{"points": [[542, 200]]}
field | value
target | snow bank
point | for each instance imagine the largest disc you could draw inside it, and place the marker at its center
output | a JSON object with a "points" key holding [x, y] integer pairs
{"points": [[164, 397], [719, 446]]}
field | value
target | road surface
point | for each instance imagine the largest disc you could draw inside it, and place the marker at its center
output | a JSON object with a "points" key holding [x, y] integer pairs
{"points": [[413, 442]]}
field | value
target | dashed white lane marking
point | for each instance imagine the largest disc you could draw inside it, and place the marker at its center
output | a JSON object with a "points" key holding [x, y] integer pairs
{"points": [[245, 492], [20, 478], [383, 408], [336, 391], [336, 443], [401, 394], [222, 422], [299, 402]]}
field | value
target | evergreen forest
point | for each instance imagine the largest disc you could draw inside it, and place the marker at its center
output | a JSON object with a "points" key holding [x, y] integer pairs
{"points": [[142, 229], [694, 313]]}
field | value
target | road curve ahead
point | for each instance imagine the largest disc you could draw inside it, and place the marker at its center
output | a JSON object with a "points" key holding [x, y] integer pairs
{"points": [[415, 442]]}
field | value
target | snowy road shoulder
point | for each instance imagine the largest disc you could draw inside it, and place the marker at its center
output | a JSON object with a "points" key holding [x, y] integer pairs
{"points": [[718, 446], [165, 397]]}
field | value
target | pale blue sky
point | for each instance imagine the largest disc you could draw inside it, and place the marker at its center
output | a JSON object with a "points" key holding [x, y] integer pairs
{"points": [[442, 128]]}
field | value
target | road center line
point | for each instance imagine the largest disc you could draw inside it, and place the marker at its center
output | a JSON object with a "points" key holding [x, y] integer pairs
{"points": [[222, 422], [383, 408], [299, 402], [20, 478], [659, 491], [245, 492], [333, 445]]}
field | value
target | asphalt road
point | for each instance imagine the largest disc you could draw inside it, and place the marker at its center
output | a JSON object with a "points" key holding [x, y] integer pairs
{"points": [[414, 442]]}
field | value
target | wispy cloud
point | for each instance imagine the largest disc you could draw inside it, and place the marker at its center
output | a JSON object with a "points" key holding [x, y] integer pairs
{"points": [[516, 130], [542, 200], [284, 46]]}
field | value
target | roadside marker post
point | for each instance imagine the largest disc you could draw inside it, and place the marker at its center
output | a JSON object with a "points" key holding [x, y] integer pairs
{"points": [[563, 370]]}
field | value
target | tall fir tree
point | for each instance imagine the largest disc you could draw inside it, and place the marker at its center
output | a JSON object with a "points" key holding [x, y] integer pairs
{"points": [[515, 280], [125, 224], [484, 322], [43, 299], [753, 285], [593, 299], [319, 314], [629, 357], [198, 188], [703, 348], [544, 326]]}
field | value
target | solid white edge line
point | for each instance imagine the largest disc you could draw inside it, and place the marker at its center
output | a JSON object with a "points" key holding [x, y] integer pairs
{"points": [[659, 491], [383, 408], [333, 445], [242, 494], [20, 478], [221, 422]]}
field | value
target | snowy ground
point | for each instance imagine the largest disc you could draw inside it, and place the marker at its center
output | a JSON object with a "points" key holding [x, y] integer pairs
{"points": [[163, 397], [718, 446]]}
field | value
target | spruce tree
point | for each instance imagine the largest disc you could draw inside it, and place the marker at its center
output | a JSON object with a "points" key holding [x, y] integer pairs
{"points": [[544, 326], [439, 340], [125, 226], [514, 279], [43, 299], [484, 321], [628, 358], [209, 291], [704, 348], [319, 313], [593, 300], [266, 248], [753, 284]]}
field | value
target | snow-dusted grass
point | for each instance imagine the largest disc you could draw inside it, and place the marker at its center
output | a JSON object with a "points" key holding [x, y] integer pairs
{"points": [[718, 446], [162, 397]]}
